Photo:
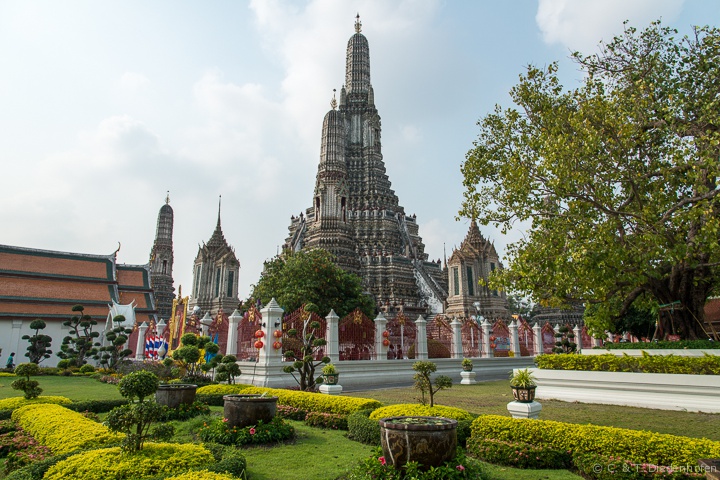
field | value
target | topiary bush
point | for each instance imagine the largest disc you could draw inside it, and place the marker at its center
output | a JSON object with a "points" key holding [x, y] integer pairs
{"points": [[316, 402], [62, 430], [680, 345], [31, 388], [232, 462], [10, 404], [111, 463], [411, 409], [202, 475]]}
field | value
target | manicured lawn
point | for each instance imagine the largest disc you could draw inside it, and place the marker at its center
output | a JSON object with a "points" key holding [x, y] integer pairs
{"points": [[75, 388], [493, 397]]}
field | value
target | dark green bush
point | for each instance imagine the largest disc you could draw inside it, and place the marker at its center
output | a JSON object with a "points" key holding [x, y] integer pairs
{"points": [[185, 412], [96, 406], [5, 414], [212, 399], [518, 454], [232, 462], [37, 469], [362, 429]]}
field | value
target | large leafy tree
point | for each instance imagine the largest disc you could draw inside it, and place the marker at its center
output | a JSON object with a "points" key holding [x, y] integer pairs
{"points": [[617, 177], [297, 278]]}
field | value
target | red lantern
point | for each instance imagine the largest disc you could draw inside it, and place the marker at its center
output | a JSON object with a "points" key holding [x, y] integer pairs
{"points": [[386, 334], [259, 344], [277, 345], [277, 333], [492, 345], [259, 334], [386, 342], [492, 338]]}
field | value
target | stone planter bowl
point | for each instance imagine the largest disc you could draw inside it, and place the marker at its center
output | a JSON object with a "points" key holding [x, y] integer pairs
{"points": [[245, 410], [429, 444], [175, 394]]}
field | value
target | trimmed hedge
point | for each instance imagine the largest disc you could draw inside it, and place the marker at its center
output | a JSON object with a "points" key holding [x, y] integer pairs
{"points": [[680, 345], [705, 365], [362, 429], [36, 470], [411, 409], [331, 421], [111, 463], [213, 394], [15, 402], [202, 475], [96, 406], [63, 430], [316, 402], [636, 446], [222, 389]]}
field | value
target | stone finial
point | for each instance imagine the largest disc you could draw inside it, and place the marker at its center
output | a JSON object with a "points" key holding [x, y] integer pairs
{"points": [[333, 102], [358, 24]]}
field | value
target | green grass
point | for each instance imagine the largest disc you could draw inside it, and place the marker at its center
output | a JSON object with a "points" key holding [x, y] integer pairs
{"points": [[493, 397], [75, 388]]}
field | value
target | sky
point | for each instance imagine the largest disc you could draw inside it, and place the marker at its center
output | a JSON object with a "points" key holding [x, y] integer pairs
{"points": [[106, 106]]}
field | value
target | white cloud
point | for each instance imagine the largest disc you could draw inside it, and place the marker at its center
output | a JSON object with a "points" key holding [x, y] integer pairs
{"points": [[581, 24], [132, 82]]}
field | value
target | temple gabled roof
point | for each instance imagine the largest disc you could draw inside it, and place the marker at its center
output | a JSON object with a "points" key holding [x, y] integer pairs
{"points": [[474, 245]]}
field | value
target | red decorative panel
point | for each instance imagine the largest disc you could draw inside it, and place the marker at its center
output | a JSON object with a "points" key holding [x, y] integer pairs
{"points": [[357, 337]]}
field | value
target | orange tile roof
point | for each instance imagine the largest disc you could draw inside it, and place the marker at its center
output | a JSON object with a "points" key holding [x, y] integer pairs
{"points": [[47, 284]]}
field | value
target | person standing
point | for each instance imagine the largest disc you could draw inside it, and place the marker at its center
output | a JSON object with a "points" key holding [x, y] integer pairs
{"points": [[10, 361]]}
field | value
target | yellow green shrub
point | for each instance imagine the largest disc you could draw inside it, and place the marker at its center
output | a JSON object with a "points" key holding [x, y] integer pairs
{"points": [[152, 460], [673, 364], [221, 389], [15, 402], [637, 446], [202, 475], [412, 409], [62, 430], [316, 402]]}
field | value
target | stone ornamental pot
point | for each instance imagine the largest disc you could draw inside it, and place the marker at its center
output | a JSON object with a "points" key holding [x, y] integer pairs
{"points": [[429, 441], [245, 410], [331, 378], [175, 394], [524, 394]]}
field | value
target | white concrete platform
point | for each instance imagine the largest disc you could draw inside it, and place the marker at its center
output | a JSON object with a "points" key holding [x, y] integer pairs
{"points": [[524, 409], [692, 393]]}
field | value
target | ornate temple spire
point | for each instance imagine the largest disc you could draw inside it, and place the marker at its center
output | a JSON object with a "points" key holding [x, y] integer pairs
{"points": [[161, 260], [217, 239], [357, 68]]}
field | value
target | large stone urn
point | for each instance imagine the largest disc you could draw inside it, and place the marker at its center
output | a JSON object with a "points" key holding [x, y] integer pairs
{"points": [[429, 441], [245, 410], [175, 394]]}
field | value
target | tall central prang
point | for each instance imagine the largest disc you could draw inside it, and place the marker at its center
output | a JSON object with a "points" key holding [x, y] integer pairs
{"points": [[355, 214]]}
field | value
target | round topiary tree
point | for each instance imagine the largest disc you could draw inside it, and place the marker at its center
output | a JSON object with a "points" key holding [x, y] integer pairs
{"points": [[135, 419], [31, 388], [39, 348]]}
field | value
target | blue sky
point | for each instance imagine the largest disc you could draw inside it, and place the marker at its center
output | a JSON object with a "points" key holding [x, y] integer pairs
{"points": [[105, 106]]}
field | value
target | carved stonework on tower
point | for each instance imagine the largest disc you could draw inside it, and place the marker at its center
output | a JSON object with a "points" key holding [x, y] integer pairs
{"points": [[161, 261], [355, 214], [474, 260], [215, 275]]}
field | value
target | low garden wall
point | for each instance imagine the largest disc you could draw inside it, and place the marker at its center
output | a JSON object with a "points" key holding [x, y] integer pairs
{"points": [[382, 373], [693, 393]]}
